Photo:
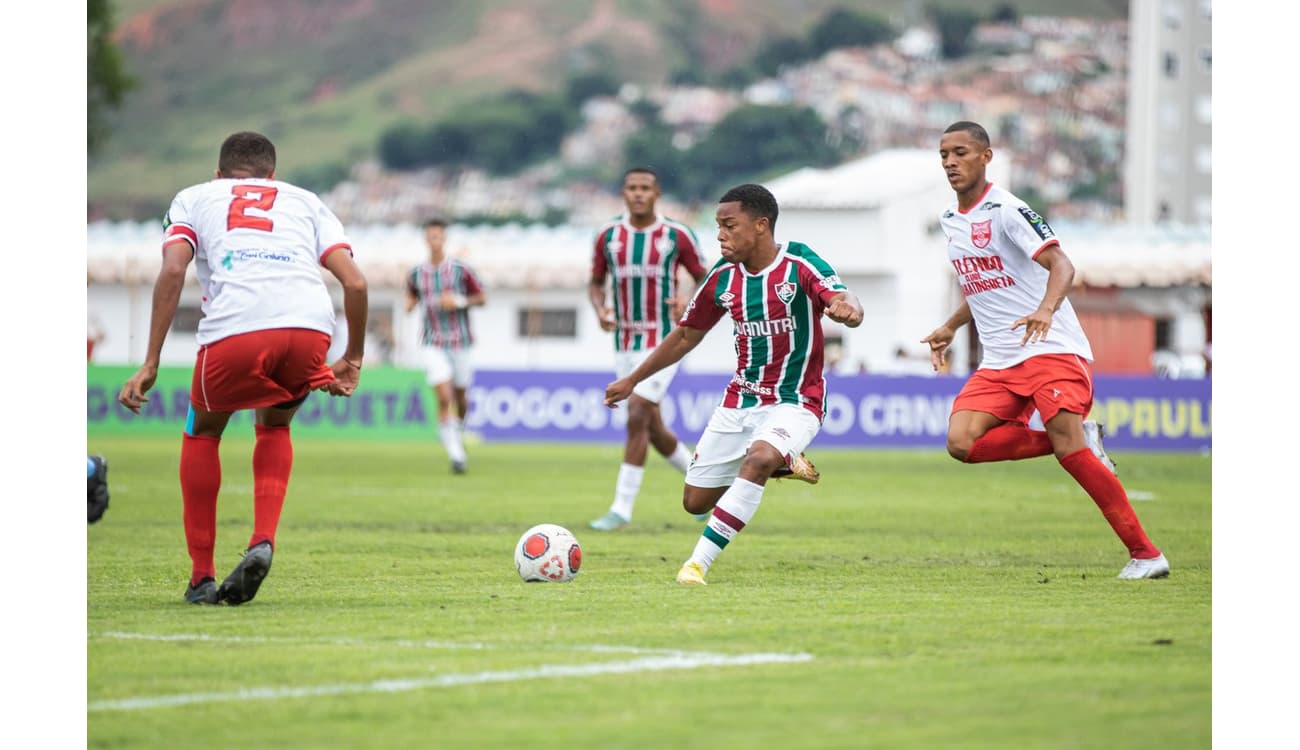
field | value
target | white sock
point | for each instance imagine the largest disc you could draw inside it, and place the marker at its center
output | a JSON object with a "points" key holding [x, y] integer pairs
{"points": [[450, 433], [626, 489], [732, 513], [681, 458]]}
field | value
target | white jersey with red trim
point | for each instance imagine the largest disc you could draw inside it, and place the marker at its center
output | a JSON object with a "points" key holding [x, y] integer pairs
{"points": [[259, 246], [992, 247]]}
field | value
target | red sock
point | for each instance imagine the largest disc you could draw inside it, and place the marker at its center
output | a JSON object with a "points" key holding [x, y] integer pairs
{"points": [[200, 483], [272, 462], [1109, 495], [1009, 441]]}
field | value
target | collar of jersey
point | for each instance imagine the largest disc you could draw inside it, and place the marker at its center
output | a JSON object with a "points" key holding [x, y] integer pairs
{"points": [[627, 222], [780, 254]]}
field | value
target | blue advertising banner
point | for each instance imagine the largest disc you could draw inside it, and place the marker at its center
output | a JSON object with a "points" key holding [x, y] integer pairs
{"points": [[862, 411], [547, 406]]}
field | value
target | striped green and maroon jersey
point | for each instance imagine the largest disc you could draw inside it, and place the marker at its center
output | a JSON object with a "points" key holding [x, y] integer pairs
{"points": [[643, 264], [447, 329], [777, 317]]}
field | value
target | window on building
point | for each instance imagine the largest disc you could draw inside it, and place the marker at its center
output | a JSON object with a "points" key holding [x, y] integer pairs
{"points": [[1207, 58], [1171, 116], [1206, 9], [1171, 65], [187, 319], [1204, 109], [1164, 333], [1173, 12], [542, 322], [1204, 159]]}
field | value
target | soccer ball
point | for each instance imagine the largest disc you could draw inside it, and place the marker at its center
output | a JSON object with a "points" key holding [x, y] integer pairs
{"points": [[547, 552]]}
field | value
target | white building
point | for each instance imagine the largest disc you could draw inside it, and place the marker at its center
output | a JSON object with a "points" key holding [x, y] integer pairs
{"points": [[875, 220], [1168, 156]]}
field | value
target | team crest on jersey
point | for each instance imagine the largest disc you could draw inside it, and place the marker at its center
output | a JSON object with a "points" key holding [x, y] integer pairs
{"points": [[665, 244], [785, 291], [981, 232], [613, 246]]}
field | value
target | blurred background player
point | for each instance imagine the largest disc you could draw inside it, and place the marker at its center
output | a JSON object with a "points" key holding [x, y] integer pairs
{"points": [[775, 296], [640, 254], [444, 289], [1015, 276], [258, 246]]}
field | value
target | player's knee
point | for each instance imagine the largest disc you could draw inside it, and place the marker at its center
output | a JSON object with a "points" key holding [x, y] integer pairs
{"points": [[761, 460], [959, 446]]}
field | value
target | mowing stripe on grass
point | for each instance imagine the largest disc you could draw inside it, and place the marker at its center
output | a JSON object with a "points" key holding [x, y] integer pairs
{"points": [[546, 671], [403, 643]]}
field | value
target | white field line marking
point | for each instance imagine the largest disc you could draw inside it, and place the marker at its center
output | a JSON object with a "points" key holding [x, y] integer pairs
{"points": [[546, 671]]}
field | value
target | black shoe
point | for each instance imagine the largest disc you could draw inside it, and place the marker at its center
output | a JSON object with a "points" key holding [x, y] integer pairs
{"points": [[242, 583], [204, 593], [97, 489], [458, 467]]}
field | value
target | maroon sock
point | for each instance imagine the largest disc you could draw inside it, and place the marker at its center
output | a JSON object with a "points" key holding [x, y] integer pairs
{"points": [[200, 483], [272, 462], [1010, 441], [1106, 491]]}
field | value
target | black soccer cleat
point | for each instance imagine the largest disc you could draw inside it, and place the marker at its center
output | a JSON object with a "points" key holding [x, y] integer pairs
{"points": [[204, 593], [97, 490], [242, 583], [458, 467]]}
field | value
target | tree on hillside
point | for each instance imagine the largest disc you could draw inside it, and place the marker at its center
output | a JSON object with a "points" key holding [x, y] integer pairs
{"points": [[848, 28], [780, 51], [584, 86], [106, 78], [955, 26], [753, 141]]}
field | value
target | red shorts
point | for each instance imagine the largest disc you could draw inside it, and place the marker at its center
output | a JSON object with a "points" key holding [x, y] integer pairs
{"points": [[1049, 383], [261, 368]]}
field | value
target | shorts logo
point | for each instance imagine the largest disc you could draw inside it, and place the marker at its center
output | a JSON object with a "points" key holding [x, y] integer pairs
{"points": [[785, 291], [981, 232], [780, 432]]}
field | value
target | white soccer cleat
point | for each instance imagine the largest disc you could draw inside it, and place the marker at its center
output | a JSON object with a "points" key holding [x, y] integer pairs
{"points": [[1154, 567], [691, 574], [1093, 432]]}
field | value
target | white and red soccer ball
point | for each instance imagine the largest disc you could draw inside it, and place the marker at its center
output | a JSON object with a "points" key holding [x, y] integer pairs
{"points": [[548, 552]]}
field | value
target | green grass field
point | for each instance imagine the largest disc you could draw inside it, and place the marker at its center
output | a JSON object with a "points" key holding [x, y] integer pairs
{"points": [[906, 601]]}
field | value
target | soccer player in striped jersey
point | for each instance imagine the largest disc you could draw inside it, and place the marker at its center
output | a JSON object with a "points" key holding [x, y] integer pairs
{"points": [[444, 289], [775, 295], [1015, 278], [258, 245], [639, 255]]}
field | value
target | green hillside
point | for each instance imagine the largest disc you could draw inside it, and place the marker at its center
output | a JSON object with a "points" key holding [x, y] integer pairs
{"points": [[324, 79]]}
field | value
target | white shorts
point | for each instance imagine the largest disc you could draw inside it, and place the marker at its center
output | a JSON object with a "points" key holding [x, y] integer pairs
{"points": [[787, 427], [651, 389], [443, 365]]}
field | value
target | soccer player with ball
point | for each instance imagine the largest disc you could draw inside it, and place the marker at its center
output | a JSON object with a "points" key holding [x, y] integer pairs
{"points": [[775, 295]]}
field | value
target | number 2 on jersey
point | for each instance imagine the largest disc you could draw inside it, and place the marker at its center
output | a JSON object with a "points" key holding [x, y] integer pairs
{"points": [[246, 197]]}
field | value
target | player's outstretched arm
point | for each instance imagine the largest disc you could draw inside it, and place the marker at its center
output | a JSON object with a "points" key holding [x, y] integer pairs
{"points": [[166, 298], [941, 337], [845, 308], [347, 370], [675, 345]]}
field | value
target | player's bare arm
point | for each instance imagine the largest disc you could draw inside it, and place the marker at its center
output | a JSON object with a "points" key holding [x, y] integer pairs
{"points": [[347, 370], [845, 308], [941, 338], [166, 298], [596, 295], [412, 299], [1059, 280], [677, 344]]}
